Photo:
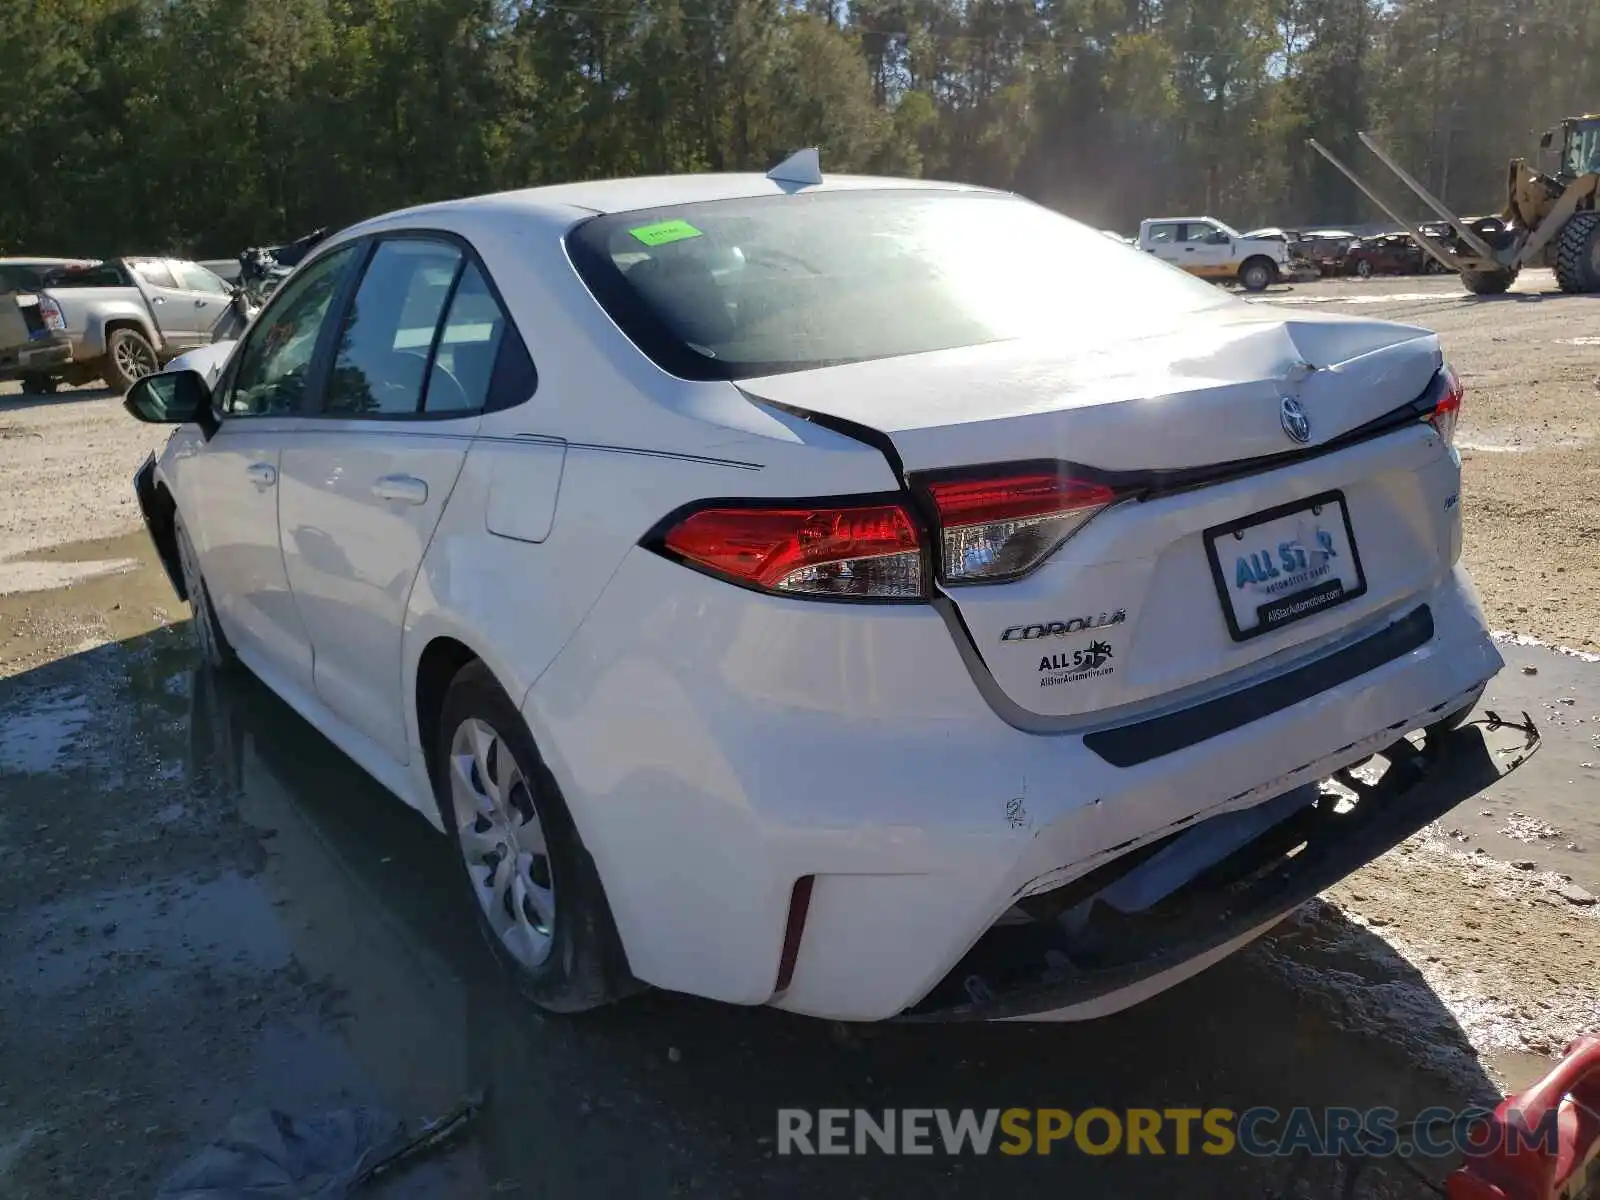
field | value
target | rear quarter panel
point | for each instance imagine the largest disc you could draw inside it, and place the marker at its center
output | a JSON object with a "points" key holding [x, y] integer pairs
{"points": [[88, 311], [606, 447]]}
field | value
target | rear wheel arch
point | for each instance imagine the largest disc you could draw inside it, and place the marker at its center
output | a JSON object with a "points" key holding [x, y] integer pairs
{"points": [[441, 661], [587, 965], [115, 323], [130, 351]]}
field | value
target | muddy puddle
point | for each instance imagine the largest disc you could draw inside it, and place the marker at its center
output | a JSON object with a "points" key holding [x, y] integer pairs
{"points": [[204, 907]]}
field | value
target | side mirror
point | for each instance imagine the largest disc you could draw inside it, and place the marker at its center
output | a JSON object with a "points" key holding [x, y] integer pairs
{"points": [[1546, 139], [170, 398]]}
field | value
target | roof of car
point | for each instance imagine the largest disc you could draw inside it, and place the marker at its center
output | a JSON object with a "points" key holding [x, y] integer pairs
{"points": [[47, 262], [663, 191]]}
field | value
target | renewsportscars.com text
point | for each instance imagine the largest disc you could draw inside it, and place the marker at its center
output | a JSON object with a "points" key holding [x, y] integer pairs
{"points": [[1260, 1131]]}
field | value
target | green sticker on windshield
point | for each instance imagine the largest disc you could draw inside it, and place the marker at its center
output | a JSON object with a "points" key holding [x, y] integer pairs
{"points": [[663, 232]]}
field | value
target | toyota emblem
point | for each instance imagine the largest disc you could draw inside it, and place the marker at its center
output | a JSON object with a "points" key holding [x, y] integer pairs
{"points": [[1295, 422]]}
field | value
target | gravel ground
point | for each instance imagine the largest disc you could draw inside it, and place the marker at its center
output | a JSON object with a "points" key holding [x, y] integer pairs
{"points": [[204, 907]]}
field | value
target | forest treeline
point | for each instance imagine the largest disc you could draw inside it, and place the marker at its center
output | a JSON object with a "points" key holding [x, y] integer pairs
{"points": [[202, 126]]}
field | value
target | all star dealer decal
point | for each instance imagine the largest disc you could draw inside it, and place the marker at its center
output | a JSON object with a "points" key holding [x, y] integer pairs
{"points": [[1074, 666]]}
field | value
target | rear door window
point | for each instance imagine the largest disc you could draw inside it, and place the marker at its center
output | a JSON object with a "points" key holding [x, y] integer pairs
{"points": [[388, 334], [155, 274], [468, 346]]}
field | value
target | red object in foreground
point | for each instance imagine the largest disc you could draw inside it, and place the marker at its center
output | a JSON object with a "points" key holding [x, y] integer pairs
{"points": [[1520, 1167]]}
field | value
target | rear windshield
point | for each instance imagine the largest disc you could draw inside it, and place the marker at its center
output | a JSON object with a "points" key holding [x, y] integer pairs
{"points": [[730, 289], [98, 275]]}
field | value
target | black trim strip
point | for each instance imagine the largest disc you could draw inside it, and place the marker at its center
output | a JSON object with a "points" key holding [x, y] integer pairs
{"points": [[1152, 484], [1130, 745]]}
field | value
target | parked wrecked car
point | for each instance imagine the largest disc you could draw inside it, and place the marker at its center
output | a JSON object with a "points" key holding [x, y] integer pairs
{"points": [[1386, 254], [772, 602], [1326, 249]]}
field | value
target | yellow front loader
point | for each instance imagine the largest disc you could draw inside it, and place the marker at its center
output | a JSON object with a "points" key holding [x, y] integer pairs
{"points": [[1548, 221]]}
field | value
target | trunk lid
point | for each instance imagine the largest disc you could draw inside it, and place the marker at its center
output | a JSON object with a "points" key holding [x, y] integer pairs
{"points": [[1202, 391], [1162, 597]]}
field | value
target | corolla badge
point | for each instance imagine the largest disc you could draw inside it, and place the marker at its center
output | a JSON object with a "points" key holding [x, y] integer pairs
{"points": [[1292, 415]]}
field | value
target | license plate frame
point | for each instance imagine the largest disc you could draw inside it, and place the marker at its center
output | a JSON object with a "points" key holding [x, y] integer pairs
{"points": [[1344, 594]]}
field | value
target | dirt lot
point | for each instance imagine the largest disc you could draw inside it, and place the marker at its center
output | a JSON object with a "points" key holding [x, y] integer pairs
{"points": [[204, 907]]}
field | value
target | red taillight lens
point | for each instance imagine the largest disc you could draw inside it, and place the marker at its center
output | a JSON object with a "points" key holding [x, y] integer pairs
{"points": [[865, 552], [1448, 410], [1001, 527], [50, 311]]}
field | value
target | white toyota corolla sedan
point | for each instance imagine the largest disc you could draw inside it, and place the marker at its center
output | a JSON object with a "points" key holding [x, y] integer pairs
{"points": [[866, 597]]}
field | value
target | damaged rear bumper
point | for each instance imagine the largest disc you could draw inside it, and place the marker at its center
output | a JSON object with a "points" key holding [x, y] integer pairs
{"points": [[1055, 965]]}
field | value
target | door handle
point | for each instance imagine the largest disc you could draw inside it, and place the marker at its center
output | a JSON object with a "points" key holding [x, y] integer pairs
{"points": [[158, 299], [264, 474], [406, 489], [199, 303]]}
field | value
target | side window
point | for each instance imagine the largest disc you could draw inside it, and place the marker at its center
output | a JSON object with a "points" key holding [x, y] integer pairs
{"points": [[155, 274], [1194, 232], [382, 362], [271, 377], [193, 277], [468, 346], [1161, 235]]}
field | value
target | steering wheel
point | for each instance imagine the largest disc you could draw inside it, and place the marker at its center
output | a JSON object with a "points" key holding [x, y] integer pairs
{"points": [[452, 397]]}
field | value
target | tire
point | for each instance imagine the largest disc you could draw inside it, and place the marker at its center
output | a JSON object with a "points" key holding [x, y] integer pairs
{"points": [[1489, 283], [1578, 253], [1364, 268], [38, 385], [216, 651], [129, 358], [1258, 274], [557, 939]]}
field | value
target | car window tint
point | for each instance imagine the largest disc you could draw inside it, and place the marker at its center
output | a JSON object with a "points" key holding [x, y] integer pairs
{"points": [[14, 278], [196, 278], [751, 286], [276, 359], [464, 362], [388, 332], [98, 275], [156, 274]]}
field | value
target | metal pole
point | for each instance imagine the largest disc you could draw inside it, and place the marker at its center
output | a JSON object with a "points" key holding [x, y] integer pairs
{"points": [[1446, 259], [1466, 235]]}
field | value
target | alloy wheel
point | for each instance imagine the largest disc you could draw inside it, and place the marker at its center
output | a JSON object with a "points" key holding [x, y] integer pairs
{"points": [[502, 841], [134, 359]]}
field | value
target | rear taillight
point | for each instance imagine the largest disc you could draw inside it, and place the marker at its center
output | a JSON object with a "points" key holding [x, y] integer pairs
{"points": [[999, 527], [845, 552], [1447, 410], [51, 312]]}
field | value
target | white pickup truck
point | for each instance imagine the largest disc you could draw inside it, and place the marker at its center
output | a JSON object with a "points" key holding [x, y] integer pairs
{"points": [[1204, 246]]}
